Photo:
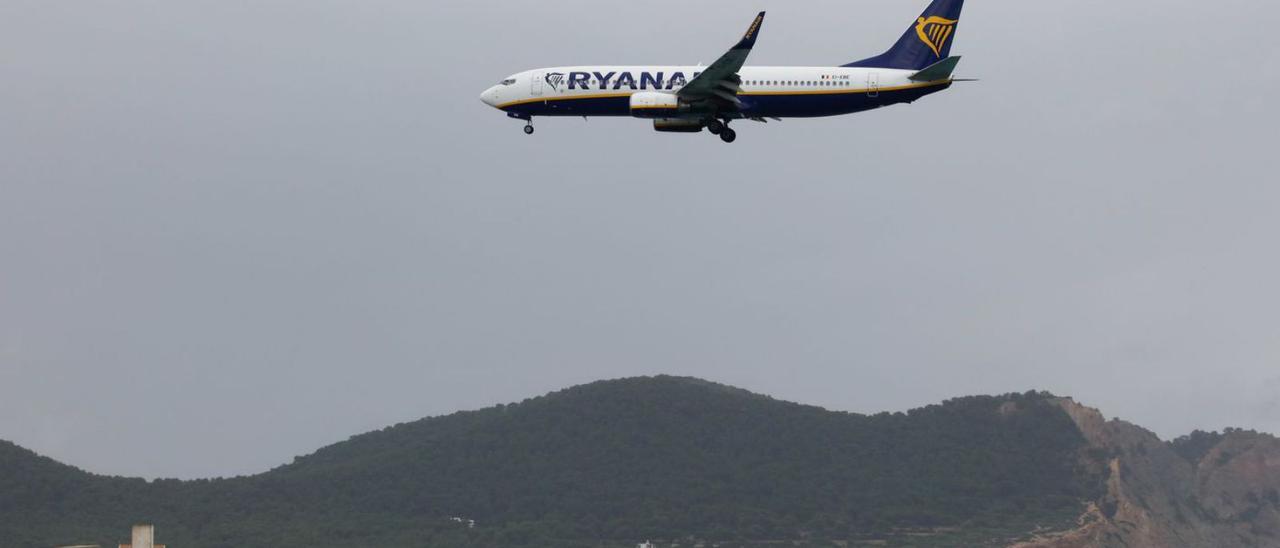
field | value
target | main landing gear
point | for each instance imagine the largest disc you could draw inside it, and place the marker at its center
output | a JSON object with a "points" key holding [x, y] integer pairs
{"points": [[528, 128], [727, 134]]}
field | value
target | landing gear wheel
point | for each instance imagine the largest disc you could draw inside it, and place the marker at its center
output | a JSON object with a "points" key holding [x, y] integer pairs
{"points": [[728, 135], [715, 127], [528, 130]]}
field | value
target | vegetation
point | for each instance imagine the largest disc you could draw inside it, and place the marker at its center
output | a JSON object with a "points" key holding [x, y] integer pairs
{"points": [[605, 464], [1195, 445]]}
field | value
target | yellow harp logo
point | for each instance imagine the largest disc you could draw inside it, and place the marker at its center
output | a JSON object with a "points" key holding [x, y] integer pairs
{"points": [[934, 32]]}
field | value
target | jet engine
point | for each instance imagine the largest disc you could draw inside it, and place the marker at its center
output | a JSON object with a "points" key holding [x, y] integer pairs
{"points": [[655, 104]]}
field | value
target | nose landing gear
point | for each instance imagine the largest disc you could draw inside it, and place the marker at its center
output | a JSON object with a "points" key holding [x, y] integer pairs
{"points": [[528, 120]]}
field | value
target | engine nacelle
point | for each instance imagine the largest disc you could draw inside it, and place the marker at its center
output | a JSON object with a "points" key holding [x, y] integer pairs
{"points": [[655, 104], [677, 125]]}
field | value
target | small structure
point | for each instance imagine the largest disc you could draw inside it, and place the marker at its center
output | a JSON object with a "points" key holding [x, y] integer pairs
{"points": [[646, 544], [144, 536]]}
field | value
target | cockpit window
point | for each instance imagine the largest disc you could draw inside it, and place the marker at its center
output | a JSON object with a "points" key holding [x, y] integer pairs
{"points": [[508, 81]]}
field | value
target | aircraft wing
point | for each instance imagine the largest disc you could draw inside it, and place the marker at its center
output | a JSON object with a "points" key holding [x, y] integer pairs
{"points": [[720, 82]]}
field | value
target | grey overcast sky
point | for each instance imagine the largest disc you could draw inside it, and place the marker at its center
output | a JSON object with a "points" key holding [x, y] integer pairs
{"points": [[234, 232]]}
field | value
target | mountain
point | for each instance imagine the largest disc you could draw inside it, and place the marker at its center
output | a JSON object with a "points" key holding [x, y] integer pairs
{"points": [[684, 460], [1204, 489]]}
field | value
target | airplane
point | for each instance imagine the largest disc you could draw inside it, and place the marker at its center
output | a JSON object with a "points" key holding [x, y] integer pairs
{"points": [[688, 99]]}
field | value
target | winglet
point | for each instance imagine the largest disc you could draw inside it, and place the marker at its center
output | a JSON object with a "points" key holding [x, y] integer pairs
{"points": [[749, 39], [937, 71]]}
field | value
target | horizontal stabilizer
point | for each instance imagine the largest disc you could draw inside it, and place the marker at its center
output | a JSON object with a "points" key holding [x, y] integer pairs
{"points": [[937, 71]]}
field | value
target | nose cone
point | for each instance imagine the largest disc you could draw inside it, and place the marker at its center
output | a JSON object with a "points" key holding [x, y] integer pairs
{"points": [[490, 97]]}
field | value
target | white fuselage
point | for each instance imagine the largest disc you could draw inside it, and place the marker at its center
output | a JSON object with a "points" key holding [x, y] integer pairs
{"points": [[768, 91]]}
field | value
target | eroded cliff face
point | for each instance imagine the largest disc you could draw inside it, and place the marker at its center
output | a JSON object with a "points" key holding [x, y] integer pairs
{"points": [[1155, 497]]}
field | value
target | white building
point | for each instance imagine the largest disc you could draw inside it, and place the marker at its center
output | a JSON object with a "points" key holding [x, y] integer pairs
{"points": [[144, 536]]}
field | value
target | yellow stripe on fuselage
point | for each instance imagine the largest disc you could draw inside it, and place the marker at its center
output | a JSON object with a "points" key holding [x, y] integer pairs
{"points": [[566, 98], [848, 91]]}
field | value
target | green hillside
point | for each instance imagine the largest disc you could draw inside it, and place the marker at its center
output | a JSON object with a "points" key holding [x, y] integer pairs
{"points": [[604, 464]]}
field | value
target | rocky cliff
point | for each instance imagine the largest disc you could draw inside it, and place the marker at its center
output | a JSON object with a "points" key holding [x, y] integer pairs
{"points": [[1205, 490]]}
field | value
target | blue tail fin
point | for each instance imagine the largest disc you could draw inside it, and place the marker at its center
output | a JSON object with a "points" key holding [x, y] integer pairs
{"points": [[925, 43]]}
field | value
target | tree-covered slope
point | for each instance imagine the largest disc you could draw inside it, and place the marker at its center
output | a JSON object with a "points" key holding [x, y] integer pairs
{"points": [[660, 457]]}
